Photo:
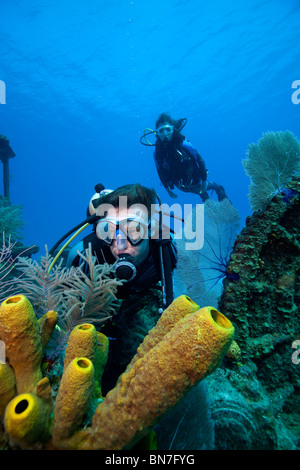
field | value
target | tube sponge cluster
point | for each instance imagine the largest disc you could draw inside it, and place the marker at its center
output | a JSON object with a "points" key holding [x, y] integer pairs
{"points": [[156, 382], [25, 396], [185, 346]]}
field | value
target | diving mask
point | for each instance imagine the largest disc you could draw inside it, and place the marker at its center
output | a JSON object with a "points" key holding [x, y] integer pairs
{"points": [[133, 229], [165, 131]]}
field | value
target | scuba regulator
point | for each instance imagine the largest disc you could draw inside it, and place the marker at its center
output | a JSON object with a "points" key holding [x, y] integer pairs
{"points": [[125, 268]]}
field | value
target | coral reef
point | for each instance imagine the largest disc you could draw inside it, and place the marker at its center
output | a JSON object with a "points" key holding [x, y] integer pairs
{"points": [[187, 346], [254, 395], [261, 298], [263, 276]]}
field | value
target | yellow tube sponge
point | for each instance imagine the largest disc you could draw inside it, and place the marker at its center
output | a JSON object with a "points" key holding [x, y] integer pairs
{"points": [[26, 421], [7, 386], [190, 351], [43, 391], [81, 343], [178, 309], [47, 324], [101, 355], [74, 394], [19, 330]]}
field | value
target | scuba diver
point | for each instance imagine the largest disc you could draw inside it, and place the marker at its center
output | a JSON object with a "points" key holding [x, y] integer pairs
{"points": [[177, 162], [128, 237]]}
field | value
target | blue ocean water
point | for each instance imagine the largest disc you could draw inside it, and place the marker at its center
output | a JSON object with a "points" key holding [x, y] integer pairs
{"points": [[83, 79]]}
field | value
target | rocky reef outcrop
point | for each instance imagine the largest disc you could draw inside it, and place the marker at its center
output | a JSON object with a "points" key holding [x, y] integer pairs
{"points": [[257, 406]]}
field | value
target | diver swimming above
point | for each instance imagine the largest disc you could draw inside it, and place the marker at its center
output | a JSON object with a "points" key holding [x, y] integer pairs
{"points": [[177, 162]]}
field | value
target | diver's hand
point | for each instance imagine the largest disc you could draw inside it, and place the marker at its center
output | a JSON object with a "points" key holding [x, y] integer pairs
{"points": [[171, 194], [203, 187]]}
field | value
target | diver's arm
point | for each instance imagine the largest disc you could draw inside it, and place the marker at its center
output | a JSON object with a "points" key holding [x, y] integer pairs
{"points": [[171, 194]]}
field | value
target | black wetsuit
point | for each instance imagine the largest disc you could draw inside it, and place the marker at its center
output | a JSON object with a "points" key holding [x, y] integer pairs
{"points": [[179, 164]]}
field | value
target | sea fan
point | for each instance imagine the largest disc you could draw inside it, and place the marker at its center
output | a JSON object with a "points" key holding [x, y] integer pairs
{"points": [[221, 225], [201, 270], [270, 164]]}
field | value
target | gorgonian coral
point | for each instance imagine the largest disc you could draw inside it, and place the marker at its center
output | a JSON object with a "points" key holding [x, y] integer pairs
{"points": [[201, 270], [270, 164]]}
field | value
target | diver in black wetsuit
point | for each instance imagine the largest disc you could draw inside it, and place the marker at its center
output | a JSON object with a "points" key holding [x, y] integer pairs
{"points": [[124, 236], [178, 163]]}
